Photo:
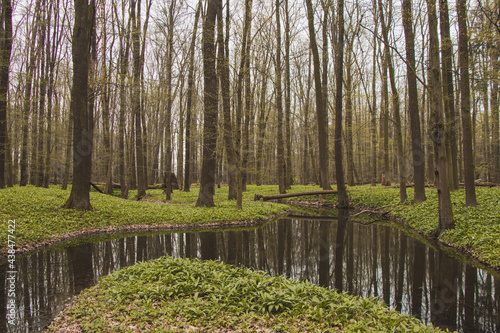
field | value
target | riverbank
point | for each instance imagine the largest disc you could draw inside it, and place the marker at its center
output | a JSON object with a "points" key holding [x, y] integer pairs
{"points": [[477, 229], [173, 295]]}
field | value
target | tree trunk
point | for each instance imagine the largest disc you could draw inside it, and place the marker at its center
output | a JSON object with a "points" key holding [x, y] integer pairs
{"points": [[279, 106], [108, 137], [242, 73], [52, 50], [288, 163], [322, 116], [82, 117], [27, 99], [343, 200], [411, 75], [373, 123], [168, 115], [69, 144], [448, 93], [463, 49], [136, 102], [386, 178], [223, 64], [446, 220], [396, 106], [210, 100], [495, 146], [189, 106], [348, 119], [262, 122], [5, 52], [123, 72], [43, 90]]}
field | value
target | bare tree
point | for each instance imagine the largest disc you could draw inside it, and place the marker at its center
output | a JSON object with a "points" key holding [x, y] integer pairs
{"points": [[189, 106], [82, 117], [210, 101], [279, 106], [396, 107], [5, 52], [223, 65], [343, 200], [446, 220], [322, 116], [411, 75], [448, 94], [463, 40]]}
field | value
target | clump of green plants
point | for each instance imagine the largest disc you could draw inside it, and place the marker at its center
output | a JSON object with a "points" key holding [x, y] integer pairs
{"points": [[171, 294]]}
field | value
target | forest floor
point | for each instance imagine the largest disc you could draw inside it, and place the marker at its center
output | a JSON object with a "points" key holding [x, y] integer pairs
{"points": [[189, 295]]}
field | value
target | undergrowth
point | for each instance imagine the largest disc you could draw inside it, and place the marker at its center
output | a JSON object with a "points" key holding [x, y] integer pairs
{"points": [[172, 294]]}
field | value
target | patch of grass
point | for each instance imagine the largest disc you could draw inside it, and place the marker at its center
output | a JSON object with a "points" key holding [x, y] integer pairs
{"points": [[171, 294], [39, 214], [477, 229]]}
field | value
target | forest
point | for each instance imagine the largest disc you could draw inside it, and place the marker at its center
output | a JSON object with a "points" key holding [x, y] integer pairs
{"points": [[250, 93], [151, 125]]}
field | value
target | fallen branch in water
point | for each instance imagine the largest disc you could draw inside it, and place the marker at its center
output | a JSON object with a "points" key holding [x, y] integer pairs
{"points": [[374, 211]]}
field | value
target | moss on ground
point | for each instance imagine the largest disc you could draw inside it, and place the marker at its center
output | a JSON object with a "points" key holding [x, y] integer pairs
{"points": [[173, 295]]}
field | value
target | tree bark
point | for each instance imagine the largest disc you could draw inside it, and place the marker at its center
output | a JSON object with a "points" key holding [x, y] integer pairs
{"points": [[168, 115], [373, 108], [52, 52], [108, 137], [343, 200], [82, 117], [46, 14], [322, 116], [288, 137], [123, 73], [210, 100], [495, 146], [189, 106], [136, 101], [446, 220], [27, 98], [463, 49], [396, 107], [448, 93], [5, 52], [279, 106], [262, 122], [223, 65], [411, 76]]}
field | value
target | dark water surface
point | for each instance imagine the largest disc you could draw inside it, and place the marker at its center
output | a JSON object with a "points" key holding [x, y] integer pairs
{"points": [[362, 260]]}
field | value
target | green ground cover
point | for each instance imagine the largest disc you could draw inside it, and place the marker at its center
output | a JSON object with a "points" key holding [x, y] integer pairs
{"points": [[40, 217], [173, 295]]}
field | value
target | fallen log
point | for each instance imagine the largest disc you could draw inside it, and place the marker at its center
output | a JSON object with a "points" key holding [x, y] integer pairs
{"points": [[259, 197], [97, 188], [118, 186]]}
